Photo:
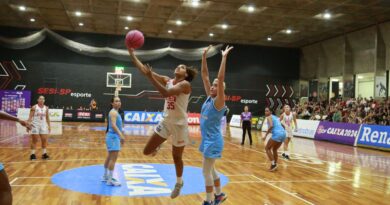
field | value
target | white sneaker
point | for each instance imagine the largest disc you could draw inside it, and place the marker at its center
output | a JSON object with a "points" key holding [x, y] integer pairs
{"points": [[113, 182], [104, 178]]}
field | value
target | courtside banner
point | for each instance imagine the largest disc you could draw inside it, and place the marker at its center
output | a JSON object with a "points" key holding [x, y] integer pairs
{"points": [[342, 133], [306, 128], [374, 136], [254, 122], [193, 118], [55, 115], [235, 121], [139, 117]]}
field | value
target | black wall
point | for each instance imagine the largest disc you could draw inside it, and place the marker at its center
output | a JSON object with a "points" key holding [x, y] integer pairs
{"points": [[249, 69]]}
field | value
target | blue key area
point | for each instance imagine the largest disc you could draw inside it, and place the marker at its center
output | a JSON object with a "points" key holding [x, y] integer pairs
{"points": [[138, 180]]}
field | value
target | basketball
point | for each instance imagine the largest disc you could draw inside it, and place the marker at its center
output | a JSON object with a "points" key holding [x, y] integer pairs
{"points": [[134, 39]]}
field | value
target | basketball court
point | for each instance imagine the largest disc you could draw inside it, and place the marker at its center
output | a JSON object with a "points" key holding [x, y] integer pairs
{"points": [[82, 72], [319, 172]]}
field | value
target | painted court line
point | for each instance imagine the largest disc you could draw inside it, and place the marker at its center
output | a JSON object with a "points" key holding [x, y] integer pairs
{"points": [[14, 180], [292, 181], [32, 185], [298, 164], [13, 137], [285, 191], [33, 177], [124, 159]]}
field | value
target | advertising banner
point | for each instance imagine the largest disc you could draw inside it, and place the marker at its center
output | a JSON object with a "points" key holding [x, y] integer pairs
{"points": [[306, 128], [193, 118], [260, 123], [11, 100], [254, 121], [343, 133], [55, 115], [235, 121], [140, 117], [374, 136]]}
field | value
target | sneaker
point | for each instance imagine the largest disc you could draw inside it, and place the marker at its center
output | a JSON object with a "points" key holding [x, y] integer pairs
{"points": [[207, 203], [104, 178], [283, 155], [287, 157], [45, 156], [33, 157], [176, 191], [219, 199], [273, 167], [113, 182]]}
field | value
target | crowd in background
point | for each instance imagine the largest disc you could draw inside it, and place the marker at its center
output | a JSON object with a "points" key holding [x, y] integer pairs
{"points": [[357, 111]]}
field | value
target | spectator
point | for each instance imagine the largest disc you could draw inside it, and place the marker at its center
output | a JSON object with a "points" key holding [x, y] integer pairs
{"points": [[93, 105], [360, 110]]}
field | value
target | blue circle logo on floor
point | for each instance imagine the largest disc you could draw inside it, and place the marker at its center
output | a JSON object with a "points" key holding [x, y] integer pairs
{"points": [[138, 180]]}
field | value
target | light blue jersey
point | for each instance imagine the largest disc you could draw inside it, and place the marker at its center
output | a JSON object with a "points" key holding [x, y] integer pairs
{"points": [[278, 132], [1, 166], [210, 127], [113, 142]]}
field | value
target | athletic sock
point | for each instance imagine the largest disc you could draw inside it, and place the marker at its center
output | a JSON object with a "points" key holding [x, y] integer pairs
{"points": [[44, 151], [209, 197], [105, 172], [179, 180], [273, 162], [33, 151], [110, 173], [218, 190]]}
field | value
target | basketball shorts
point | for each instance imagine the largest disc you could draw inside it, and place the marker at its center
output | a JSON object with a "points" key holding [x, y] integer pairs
{"points": [[179, 133], [211, 149], [289, 132], [113, 142], [40, 130], [279, 136]]}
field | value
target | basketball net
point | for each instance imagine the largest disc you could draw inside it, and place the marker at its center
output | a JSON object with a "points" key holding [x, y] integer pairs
{"points": [[118, 87]]}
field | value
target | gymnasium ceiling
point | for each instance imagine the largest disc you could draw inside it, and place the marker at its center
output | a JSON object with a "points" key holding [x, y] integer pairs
{"points": [[270, 18]]}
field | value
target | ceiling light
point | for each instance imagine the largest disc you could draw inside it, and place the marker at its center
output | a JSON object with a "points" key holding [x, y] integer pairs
{"points": [[251, 9], [360, 77], [32, 20], [224, 26], [81, 24], [22, 8], [327, 15], [288, 31], [269, 38], [126, 28], [169, 31], [335, 80], [195, 3], [211, 34], [129, 18], [78, 13], [179, 22]]}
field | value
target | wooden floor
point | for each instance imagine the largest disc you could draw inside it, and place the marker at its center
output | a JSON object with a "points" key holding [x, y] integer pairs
{"points": [[319, 172]]}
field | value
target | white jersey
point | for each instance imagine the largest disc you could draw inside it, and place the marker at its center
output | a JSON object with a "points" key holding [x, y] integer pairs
{"points": [[289, 120], [175, 107], [39, 117]]}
